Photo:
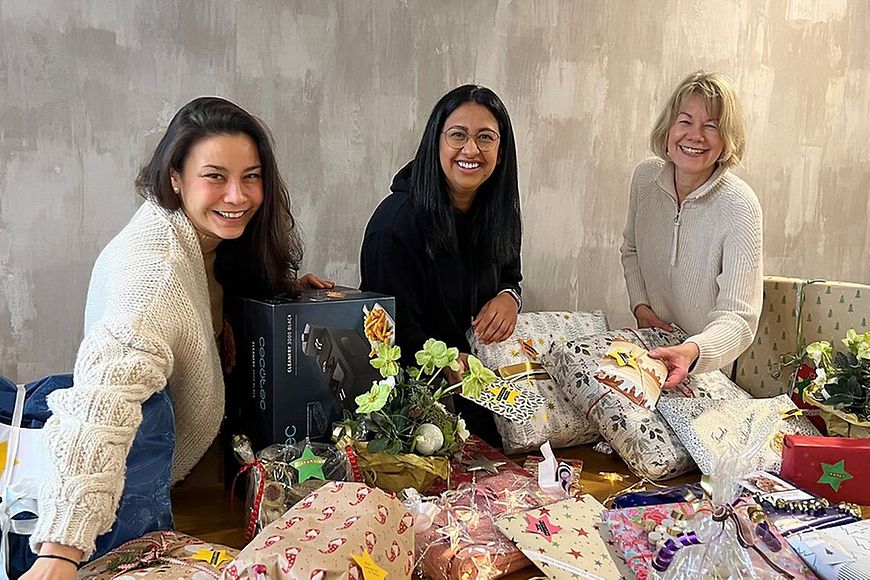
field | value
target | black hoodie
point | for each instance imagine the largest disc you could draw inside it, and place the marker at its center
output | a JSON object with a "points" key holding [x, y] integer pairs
{"points": [[435, 297]]}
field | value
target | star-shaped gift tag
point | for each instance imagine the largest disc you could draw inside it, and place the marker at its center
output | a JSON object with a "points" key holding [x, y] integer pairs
{"points": [[370, 568], [309, 466], [484, 464], [542, 526], [835, 474], [213, 558]]}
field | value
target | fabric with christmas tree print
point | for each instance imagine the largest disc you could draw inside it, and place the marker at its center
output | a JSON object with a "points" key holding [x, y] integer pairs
{"points": [[798, 311]]}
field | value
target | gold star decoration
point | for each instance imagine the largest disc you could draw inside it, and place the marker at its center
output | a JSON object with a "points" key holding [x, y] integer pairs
{"points": [[482, 463], [4, 447]]}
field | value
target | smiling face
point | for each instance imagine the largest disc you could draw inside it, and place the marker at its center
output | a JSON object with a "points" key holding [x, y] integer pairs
{"points": [[221, 184], [694, 142], [467, 168]]}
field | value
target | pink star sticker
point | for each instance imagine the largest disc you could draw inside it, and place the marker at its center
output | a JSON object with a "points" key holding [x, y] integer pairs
{"points": [[542, 526]]}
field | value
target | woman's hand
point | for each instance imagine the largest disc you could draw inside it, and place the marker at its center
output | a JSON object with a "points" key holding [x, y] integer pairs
{"points": [[496, 320], [646, 318], [54, 568], [309, 280], [678, 360], [454, 377]]}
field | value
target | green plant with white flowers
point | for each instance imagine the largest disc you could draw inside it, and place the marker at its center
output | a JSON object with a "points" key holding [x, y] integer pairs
{"points": [[403, 412], [841, 379]]}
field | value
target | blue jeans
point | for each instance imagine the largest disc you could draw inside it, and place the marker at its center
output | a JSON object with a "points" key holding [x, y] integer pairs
{"points": [[145, 505]]}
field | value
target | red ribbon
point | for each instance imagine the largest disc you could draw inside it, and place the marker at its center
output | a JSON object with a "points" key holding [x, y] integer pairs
{"points": [[258, 498], [354, 465]]}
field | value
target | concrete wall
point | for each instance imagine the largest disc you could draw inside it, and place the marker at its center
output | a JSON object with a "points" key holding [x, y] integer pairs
{"points": [[87, 86]]}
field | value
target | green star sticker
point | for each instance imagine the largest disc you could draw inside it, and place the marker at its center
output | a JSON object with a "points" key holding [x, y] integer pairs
{"points": [[309, 466], [835, 474]]}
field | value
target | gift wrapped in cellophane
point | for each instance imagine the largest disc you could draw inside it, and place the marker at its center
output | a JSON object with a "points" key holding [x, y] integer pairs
{"points": [[730, 538], [281, 475], [463, 540]]}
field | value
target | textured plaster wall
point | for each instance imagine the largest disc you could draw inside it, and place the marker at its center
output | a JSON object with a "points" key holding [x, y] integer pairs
{"points": [[87, 86]]}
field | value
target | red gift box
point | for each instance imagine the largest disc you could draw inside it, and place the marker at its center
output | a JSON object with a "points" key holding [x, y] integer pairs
{"points": [[836, 468]]}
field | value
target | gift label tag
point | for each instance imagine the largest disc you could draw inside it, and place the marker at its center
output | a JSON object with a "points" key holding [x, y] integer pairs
{"points": [[370, 568], [628, 369], [213, 558], [309, 466], [834, 475], [509, 400]]}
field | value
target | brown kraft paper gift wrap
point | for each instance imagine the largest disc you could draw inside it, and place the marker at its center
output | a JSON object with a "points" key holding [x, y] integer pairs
{"points": [[795, 313], [160, 555], [319, 537]]}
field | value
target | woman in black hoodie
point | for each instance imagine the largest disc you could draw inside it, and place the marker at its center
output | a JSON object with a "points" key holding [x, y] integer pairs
{"points": [[446, 242]]}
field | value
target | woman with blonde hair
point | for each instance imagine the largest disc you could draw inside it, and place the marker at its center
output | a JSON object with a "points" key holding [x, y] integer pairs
{"points": [[692, 245]]}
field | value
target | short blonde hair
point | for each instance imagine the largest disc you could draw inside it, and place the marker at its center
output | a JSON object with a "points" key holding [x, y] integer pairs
{"points": [[721, 100]]}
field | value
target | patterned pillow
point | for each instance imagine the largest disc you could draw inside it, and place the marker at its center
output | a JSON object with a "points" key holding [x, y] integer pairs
{"points": [[558, 421], [641, 437], [709, 429]]}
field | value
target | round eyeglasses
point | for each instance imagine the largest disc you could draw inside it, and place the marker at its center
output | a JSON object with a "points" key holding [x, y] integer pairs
{"points": [[486, 140]]}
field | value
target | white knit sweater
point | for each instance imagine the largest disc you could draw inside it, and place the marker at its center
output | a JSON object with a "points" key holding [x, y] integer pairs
{"points": [[147, 324], [698, 265]]}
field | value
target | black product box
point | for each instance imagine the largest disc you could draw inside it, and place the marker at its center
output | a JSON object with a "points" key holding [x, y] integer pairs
{"points": [[300, 361]]}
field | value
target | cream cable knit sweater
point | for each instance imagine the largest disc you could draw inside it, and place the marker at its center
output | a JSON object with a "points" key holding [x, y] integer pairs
{"points": [[147, 323], [699, 265]]}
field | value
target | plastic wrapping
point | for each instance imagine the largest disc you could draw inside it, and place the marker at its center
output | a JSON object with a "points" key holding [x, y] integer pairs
{"points": [[729, 539], [274, 484], [463, 540]]}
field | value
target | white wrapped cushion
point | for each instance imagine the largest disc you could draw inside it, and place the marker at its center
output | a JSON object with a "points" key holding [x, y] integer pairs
{"points": [[709, 429], [558, 421]]}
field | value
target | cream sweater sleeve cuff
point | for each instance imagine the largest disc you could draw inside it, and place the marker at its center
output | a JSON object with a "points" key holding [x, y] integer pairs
{"points": [[70, 523], [716, 351]]}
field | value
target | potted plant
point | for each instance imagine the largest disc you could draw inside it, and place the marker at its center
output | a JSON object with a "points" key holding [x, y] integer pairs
{"points": [[402, 432], [838, 382]]}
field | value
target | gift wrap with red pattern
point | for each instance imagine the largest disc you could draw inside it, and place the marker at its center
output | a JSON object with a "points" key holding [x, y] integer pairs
{"points": [[475, 448], [464, 541], [628, 531], [836, 468], [160, 555], [319, 537]]}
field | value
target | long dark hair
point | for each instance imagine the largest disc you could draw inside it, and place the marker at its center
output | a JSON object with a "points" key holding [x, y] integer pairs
{"points": [[265, 258], [497, 229]]}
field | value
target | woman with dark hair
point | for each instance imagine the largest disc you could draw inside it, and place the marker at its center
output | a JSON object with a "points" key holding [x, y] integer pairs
{"points": [[446, 241], [216, 218]]}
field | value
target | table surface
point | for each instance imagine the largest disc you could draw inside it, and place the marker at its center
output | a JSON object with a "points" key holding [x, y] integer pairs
{"points": [[199, 508]]}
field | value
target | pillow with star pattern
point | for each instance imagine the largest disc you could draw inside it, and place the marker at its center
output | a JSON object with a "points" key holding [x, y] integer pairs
{"points": [[518, 360]]}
